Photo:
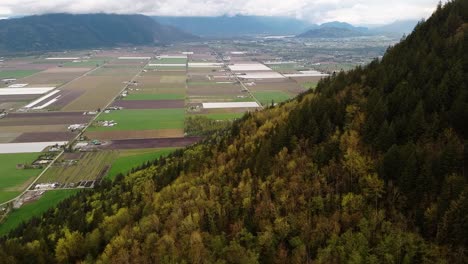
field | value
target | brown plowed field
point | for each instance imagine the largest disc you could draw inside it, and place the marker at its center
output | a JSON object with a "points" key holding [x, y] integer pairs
{"points": [[151, 143], [149, 104], [17, 97], [44, 137], [137, 134]]}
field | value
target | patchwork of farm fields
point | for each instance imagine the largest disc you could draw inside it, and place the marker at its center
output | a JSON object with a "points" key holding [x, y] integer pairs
{"points": [[114, 110]]}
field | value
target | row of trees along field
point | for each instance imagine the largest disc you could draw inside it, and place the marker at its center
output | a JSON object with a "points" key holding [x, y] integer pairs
{"points": [[368, 168]]}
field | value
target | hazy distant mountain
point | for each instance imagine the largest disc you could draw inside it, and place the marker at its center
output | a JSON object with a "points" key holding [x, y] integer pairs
{"points": [[226, 26], [400, 27], [335, 30], [65, 31]]}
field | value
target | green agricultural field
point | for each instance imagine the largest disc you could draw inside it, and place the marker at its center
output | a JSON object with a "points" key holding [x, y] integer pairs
{"points": [[266, 97], [162, 96], [224, 116], [90, 166], [146, 119], [49, 200], [130, 159], [16, 74], [170, 61], [12, 180]]}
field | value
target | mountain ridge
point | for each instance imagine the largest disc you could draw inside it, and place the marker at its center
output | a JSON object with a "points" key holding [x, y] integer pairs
{"points": [[67, 31]]}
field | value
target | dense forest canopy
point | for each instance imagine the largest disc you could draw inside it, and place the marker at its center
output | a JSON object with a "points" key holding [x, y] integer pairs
{"points": [[368, 168], [66, 31]]}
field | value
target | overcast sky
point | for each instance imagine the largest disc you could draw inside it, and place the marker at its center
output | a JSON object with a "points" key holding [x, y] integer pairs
{"points": [[317, 11]]}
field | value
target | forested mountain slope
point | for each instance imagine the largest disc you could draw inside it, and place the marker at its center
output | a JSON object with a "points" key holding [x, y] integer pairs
{"points": [[67, 31], [369, 168]]}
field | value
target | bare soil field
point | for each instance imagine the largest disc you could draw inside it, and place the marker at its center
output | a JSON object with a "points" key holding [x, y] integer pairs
{"points": [[66, 70], [137, 134], [106, 71], [66, 97], [151, 143], [286, 86], [96, 91], [149, 104], [51, 78], [218, 89], [32, 128], [17, 97], [7, 137], [44, 137], [173, 79]]}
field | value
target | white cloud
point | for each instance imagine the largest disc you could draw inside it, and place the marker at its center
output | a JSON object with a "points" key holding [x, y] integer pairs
{"points": [[352, 11]]}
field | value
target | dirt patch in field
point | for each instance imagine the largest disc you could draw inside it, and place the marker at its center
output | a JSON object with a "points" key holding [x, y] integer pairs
{"points": [[150, 104], [44, 137], [137, 134], [152, 143]]}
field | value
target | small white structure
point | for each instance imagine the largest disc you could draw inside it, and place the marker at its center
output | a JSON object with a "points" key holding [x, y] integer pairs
{"points": [[231, 105], [45, 186], [80, 145], [76, 126], [18, 85], [187, 52]]}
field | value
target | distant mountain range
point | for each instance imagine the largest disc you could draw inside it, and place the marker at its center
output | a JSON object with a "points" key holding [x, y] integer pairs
{"points": [[227, 26], [66, 31], [335, 30], [345, 30], [235, 26]]}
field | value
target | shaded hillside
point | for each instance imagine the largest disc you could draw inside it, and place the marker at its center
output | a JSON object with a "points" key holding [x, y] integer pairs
{"points": [[369, 168], [65, 31]]}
